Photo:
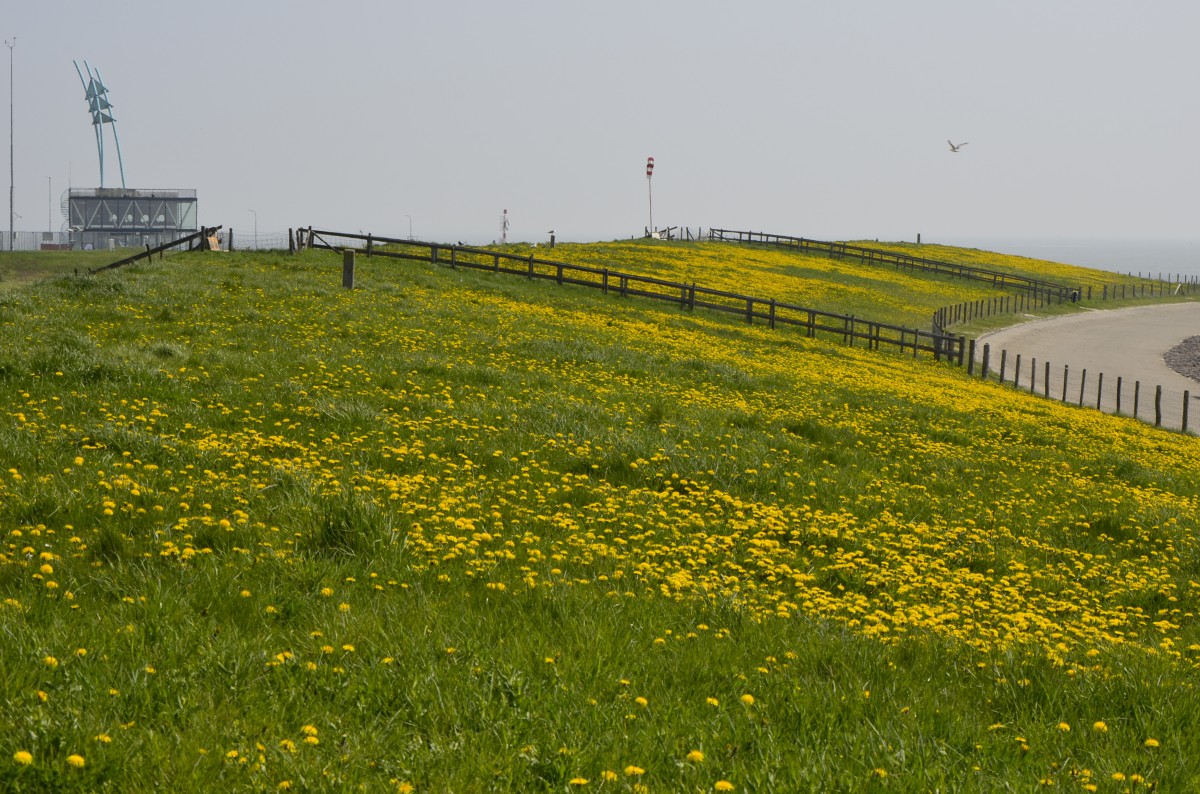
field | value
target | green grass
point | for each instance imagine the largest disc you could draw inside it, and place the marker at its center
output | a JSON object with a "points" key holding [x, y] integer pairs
{"points": [[458, 524]]}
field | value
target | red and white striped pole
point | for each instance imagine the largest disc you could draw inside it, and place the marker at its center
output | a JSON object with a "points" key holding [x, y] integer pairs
{"points": [[649, 190]]}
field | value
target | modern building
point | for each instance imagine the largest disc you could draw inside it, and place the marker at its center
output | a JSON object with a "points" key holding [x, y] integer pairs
{"points": [[128, 218]]}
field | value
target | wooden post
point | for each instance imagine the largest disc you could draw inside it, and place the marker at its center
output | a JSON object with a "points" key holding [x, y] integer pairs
{"points": [[231, 239], [1187, 396], [291, 242], [1082, 383], [1003, 361], [750, 310], [987, 352], [1158, 406], [1066, 377], [1099, 389], [1137, 388], [348, 268], [1033, 376], [370, 246], [772, 314], [531, 272], [1017, 373], [1118, 411], [971, 359], [1046, 380], [604, 281], [962, 346]]}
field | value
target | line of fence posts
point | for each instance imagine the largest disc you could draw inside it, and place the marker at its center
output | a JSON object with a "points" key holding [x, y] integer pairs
{"points": [[1020, 303], [985, 371], [942, 344], [754, 309]]}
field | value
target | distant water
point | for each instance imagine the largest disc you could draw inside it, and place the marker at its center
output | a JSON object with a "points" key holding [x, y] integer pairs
{"points": [[1148, 257]]}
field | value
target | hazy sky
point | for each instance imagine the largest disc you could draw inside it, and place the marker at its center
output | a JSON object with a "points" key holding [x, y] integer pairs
{"points": [[822, 119]]}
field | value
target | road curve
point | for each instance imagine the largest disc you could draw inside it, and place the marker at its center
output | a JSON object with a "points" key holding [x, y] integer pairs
{"points": [[1121, 343]]}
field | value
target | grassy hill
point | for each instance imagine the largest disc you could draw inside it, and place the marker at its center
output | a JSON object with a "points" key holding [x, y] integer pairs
{"points": [[452, 531]]}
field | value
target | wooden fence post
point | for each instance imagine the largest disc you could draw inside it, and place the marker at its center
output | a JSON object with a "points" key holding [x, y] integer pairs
{"points": [[987, 352], [1082, 382], [1033, 376], [1187, 396], [348, 268], [291, 242], [1158, 405], [1003, 361], [971, 359], [1066, 377], [1017, 373], [1118, 411], [1099, 389], [1137, 389]]}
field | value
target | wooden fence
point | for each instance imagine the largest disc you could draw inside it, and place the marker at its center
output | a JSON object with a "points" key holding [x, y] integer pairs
{"points": [[1074, 386], [814, 323], [1047, 290], [194, 240], [960, 313]]}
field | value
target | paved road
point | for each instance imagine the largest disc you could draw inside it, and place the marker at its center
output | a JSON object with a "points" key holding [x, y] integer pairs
{"points": [[1124, 343]]}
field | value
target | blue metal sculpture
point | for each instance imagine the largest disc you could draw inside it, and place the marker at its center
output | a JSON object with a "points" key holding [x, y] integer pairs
{"points": [[100, 107]]}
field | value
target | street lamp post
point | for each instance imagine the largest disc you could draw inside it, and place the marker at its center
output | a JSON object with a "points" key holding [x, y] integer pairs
{"points": [[255, 214]]}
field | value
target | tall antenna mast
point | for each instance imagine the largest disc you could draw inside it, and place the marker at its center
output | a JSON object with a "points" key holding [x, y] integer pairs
{"points": [[12, 235], [97, 99], [504, 229]]}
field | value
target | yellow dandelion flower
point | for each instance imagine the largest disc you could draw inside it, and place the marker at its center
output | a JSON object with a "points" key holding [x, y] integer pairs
{"points": [[747, 699], [1064, 727], [23, 757], [1099, 726], [712, 701], [609, 775], [343, 607], [76, 760], [309, 730], [577, 781], [695, 756], [641, 701], [723, 785], [1151, 742], [50, 661], [103, 738], [634, 771]]}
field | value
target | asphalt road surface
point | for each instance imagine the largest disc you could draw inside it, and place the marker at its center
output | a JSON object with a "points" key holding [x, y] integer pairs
{"points": [[1128, 344]]}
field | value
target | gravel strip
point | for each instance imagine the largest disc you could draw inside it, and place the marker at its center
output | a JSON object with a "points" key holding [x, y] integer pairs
{"points": [[1184, 358]]}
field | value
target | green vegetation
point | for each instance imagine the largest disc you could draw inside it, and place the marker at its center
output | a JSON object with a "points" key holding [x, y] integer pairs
{"points": [[456, 531]]}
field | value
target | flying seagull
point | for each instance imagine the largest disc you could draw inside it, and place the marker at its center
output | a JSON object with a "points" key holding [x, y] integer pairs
{"points": [[954, 147]]}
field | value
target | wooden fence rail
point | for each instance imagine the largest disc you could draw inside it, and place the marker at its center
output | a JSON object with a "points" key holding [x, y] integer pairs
{"points": [[1048, 289], [814, 323], [195, 239]]}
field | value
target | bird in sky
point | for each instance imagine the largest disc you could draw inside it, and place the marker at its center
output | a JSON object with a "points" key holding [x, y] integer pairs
{"points": [[954, 147]]}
